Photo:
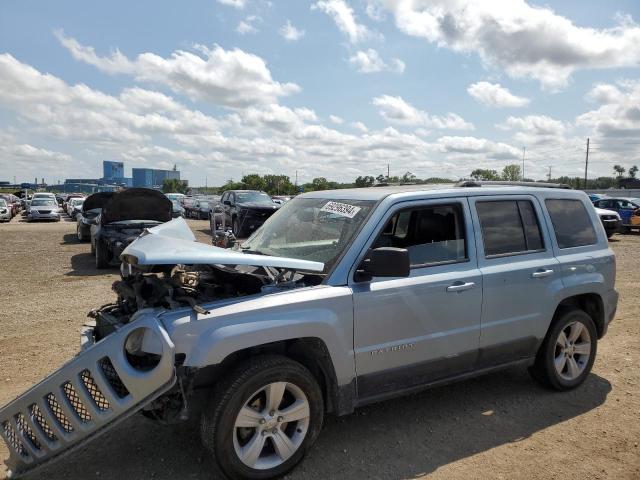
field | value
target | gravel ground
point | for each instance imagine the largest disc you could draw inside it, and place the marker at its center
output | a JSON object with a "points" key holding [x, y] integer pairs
{"points": [[498, 426]]}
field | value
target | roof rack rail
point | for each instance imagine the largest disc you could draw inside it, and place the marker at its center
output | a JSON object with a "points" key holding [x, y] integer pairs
{"points": [[484, 183]]}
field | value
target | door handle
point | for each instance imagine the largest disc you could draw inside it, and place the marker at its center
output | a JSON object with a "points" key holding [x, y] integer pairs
{"points": [[460, 287], [542, 273]]}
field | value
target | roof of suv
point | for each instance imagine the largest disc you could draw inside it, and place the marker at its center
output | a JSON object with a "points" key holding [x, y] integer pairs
{"points": [[432, 190]]}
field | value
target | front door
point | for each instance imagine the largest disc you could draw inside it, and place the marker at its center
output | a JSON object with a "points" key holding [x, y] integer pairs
{"points": [[412, 331]]}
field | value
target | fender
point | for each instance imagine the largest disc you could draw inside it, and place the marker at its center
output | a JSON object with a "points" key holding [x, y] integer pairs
{"points": [[321, 312]]}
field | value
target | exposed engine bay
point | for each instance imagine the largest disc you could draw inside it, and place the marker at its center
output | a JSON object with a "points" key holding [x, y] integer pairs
{"points": [[177, 286]]}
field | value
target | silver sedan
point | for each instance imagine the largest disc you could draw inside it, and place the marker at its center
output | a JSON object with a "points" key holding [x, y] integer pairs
{"points": [[43, 209]]}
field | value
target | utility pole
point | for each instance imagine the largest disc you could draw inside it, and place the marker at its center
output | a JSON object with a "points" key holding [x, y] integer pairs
{"points": [[388, 176], [586, 165], [296, 179], [524, 149], [549, 174]]}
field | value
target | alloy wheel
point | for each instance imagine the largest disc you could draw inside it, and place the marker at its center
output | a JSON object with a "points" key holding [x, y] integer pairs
{"points": [[271, 426], [573, 350]]}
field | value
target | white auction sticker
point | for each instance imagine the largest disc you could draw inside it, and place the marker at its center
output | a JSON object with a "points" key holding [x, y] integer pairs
{"points": [[342, 209]]}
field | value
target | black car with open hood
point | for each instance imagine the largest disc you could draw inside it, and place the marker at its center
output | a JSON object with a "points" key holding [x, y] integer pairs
{"points": [[91, 209], [123, 217]]}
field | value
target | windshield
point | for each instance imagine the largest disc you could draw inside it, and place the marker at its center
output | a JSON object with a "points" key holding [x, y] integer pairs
{"points": [[310, 229], [76, 202], [42, 202], [204, 204], [253, 197], [3, 202]]}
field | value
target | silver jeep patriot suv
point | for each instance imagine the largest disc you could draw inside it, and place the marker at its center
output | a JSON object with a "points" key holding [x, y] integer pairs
{"points": [[340, 299]]}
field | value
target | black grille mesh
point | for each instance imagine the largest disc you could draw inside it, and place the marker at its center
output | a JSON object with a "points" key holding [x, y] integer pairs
{"points": [[113, 378], [58, 413], [74, 400], [24, 427], [99, 399], [12, 438], [38, 417]]}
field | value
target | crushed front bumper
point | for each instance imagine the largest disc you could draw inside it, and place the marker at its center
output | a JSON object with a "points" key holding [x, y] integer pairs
{"points": [[83, 399]]}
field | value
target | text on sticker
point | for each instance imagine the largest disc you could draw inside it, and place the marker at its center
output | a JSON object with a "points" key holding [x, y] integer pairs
{"points": [[342, 209]]}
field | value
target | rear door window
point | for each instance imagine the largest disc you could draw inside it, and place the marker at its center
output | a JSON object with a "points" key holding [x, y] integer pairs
{"points": [[571, 223], [509, 227]]}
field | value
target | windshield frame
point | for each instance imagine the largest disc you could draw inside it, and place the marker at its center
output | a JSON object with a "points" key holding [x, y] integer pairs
{"points": [[372, 205]]}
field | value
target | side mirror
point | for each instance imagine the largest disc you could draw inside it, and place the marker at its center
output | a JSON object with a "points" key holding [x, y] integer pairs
{"points": [[385, 262], [227, 203]]}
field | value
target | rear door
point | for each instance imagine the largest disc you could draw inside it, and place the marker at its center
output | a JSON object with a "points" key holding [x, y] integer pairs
{"points": [[519, 275]]}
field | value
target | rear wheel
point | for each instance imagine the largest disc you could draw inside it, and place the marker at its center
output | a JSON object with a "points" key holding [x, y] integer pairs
{"points": [[102, 255], [263, 419], [567, 353]]}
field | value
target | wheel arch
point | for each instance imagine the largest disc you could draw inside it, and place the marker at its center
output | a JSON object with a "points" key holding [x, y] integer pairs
{"points": [[591, 303], [311, 352]]}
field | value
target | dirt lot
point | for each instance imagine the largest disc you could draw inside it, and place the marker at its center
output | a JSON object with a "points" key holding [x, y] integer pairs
{"points": [[498, 426]]}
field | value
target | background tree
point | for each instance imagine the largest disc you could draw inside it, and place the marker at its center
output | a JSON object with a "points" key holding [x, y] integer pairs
{"points": [[633, 171], [485, 174], [619, 170], [511, 173], [172, 185], [408, 177], [366, 181]]}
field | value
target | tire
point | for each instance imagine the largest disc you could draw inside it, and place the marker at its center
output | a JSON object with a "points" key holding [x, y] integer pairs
{"points": [[102, 255], [237, 229], [250, 381], [573, 364], [610, 234]]}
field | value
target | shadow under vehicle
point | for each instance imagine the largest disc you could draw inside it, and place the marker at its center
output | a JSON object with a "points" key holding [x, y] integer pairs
{"points": [[123, 218]]}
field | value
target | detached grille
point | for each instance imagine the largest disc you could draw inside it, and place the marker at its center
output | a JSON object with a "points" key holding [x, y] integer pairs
{"points": [[82, 399]]}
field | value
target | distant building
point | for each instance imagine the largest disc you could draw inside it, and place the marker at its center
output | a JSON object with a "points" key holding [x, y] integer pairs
{"points": [[152, 178], [112, 170]]}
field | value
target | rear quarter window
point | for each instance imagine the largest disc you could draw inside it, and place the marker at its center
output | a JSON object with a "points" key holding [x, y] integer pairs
{"points": [[571, 223]]}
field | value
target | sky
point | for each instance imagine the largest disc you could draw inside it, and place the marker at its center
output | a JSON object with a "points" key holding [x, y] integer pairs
{"points": [[324, 88]]}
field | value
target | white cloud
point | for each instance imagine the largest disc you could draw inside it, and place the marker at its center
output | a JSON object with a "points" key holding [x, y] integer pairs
{"points": [[291, 33], [495, 95], [231, 78], [335, 119], [618, 118], [360, 126], [526, 41], [239, 4], [397, 110], [375, 10], [248, 25], [369, 61], [478, 147], [604, 93], [344, 18]]}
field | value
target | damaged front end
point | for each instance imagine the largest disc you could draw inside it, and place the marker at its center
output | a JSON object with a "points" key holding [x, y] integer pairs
{"points": [[128, 362]]}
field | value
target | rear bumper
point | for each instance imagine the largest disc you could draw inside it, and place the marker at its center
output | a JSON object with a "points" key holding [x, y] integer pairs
{"points": [[83, 399], [612, 226]]}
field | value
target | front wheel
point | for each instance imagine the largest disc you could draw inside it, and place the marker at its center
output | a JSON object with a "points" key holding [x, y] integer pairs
{"points": [[263, 418], [102, 255], [567, 353]]}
